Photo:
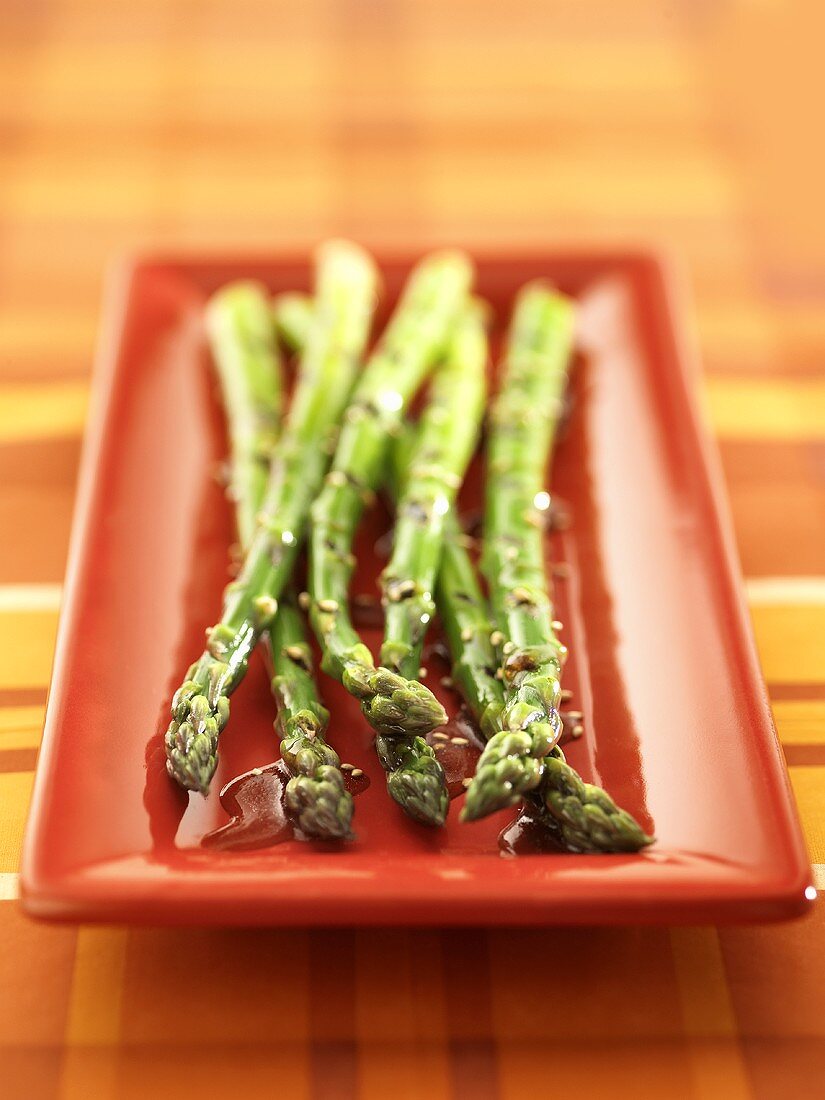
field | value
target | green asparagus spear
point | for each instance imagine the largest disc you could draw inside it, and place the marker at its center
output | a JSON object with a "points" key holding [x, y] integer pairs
{"points": [[415, 336], [252, 390], [523, 426], [249, 372], [581, 816], [444, 442], [292, 313], [315, 795], [345, 297]]}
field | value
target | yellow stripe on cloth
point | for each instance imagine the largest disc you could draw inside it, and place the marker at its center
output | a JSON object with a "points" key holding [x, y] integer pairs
{"points": [[28, 661], [9, 886], [21, 727], [715, 1056], [789, 639], [766, 409], [15, 792], [808, 784], [30, 597], [46, 410], [94, 1017], [785, 591], [800, 722]]}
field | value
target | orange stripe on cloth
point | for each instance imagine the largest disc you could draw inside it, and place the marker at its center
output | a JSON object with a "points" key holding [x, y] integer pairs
{"points": [[207, 990], [35, 977], [775, 981], [333, 1058], [466, 969], [717, 1066], [400, 1024], [602, 988]]}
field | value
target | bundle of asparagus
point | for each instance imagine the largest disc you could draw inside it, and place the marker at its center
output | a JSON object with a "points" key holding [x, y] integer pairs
{"points": [[345, 299], [507, 660], [252, 388]]}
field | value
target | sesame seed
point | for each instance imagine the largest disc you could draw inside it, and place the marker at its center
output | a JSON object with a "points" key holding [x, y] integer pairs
{"points": [[440, 736], [357, 773], [347, 767], [566, 695], [575, 715], [557, 624], [460, 740], [329, 607], [337, 478], [496, 638], [508, 647], [439, 745], [422, 673], [446, 681], [466, 634], [304, 601], [465, 783], [499, 674], [578, 731]]}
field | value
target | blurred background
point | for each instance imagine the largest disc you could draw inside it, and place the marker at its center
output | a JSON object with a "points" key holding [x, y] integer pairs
{"points": [[261, 125], [257, 124]]}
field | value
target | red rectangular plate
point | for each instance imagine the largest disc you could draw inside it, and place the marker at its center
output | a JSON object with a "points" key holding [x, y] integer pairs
{"points": [[677, 725]]}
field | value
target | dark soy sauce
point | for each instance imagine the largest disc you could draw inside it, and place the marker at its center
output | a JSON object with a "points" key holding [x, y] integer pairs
{"points": [[526, 836], [457, 748], [255, 804], [366, 611]]}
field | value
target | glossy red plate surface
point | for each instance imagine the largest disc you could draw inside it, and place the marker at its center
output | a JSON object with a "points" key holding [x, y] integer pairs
{"points": [[676, 720]]}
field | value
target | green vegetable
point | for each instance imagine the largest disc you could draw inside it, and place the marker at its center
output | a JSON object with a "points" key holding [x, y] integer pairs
{"points": [[315, 795], [252, 390], [292, 313], [446, 437], [416, 336], [581, 816], [345, 297], [249, 372], [524, 420]]}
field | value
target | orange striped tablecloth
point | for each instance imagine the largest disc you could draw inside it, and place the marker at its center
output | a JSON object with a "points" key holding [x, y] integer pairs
{"points": [[261, 125]]}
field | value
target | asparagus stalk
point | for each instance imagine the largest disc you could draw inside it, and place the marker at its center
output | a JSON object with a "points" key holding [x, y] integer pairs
{"points": [[292, 313], [446, 437], [252, 390], [249, 372], [524, 419], [345, 295], [581, 816], [316, 797], [415, 337]]}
